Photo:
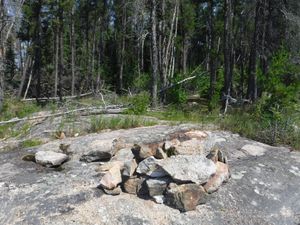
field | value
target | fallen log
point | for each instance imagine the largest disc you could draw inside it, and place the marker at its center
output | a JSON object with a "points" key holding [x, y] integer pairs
{"points": [[57, 98], [114, 109]]}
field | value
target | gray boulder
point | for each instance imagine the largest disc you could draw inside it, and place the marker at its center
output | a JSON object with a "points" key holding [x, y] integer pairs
{"points": [[189, 168], [151, 168], [50, 158]]}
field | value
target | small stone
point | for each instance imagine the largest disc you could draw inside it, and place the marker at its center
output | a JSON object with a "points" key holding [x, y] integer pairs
{"points": [[29, 158], [151, 168], [170, 147], [142, 152], [112, 178], [222, 175], [159, 199], [200, 135], [129, 168], [96, 156], [157, 186], [134, 185], [221, 157], [60, 135], [170, 144], [185, 197], [160, 154], [113, 192], [49, 158], [189, 168], [214, 154]]}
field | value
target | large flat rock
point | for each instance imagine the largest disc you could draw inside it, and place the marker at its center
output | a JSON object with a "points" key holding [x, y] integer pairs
{"points": [[264, 188], [189, 168]]}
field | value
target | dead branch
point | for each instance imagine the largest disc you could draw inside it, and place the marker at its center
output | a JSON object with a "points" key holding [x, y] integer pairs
{"points": [[184, 80], [113, 109], [57, 98]]}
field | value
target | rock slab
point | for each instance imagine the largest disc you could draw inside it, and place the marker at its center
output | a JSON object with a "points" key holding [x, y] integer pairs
{"points": [[50, 158], [189, 168]]}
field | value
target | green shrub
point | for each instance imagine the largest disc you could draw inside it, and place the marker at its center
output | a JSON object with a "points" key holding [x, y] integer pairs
{"points": [[141, 82], [177, 94], [139, 103]]}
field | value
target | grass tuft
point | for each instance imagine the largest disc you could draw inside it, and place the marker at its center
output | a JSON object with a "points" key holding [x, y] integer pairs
{"points": [[31, 143], [102, 123]]}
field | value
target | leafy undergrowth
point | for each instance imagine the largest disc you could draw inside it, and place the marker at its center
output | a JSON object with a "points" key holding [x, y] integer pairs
{"points": [[185, 114], [13, 108], [102, 123], [284, 130], [274, 132]]}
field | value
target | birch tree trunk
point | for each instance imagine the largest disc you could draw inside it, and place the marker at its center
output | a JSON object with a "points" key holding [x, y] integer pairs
{"points": [[122, 48], [24, 73]]}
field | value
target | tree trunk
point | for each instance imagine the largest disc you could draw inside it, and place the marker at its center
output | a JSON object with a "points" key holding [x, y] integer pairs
{"points": [[263, 55], [2, 26], [227, 47], [122, 48], [61, 54], [154, 54], [72, 36], [24, 73], [36, 73], [211, 50], [56, 62], [252, 86]]}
